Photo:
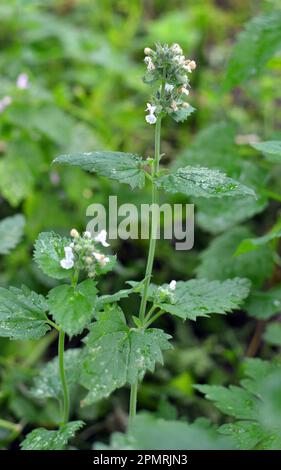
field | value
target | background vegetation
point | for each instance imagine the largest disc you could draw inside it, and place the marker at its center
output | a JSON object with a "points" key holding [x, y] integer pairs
{"points": [[84, 61]]}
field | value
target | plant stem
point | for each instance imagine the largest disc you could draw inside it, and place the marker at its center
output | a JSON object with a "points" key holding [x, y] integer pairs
{"points": [[65, 415], [133, 404], [154, 227], [150, 260], [10, 426]]}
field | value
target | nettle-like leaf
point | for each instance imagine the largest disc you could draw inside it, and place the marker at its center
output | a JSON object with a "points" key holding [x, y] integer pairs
{"points": [[202, 182], [255, 46], [22, 314], [48, 383], [116, 354], [150, 432], [264, 305], [11, 231], [182, 114], [72, 307], [218, 261], [124, 167], [43, 439], [49, 251], [121, 294], [252, 403], [272, 334], [250, 244], [271, 150], [200, 297]]}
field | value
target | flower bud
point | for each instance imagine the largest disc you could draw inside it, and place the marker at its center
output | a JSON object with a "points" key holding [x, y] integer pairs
{"points": [[174, 106], [74, 233], [185, 105], [148, 51], [176, 48]]}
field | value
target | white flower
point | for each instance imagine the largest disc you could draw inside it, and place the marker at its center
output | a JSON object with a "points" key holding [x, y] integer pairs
{"points": [[150, 108], [149, 63], [5, 102], [148, 51], [102, 259], [173, 285], [87, 234], [189, 65], [68, 261], [168, 87], [23, 81], [101, 238], [150, 118], [176, 48]]}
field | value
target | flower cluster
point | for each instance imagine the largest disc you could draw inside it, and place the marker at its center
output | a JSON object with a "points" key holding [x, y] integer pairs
{"points": [[166, 294], [168, 66], [82, 253]]}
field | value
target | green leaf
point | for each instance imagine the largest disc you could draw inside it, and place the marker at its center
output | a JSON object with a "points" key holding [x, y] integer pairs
{"points": [[22, 314], [16, 179], [152, 433], [263, 305], [72, 307], [250, 244], [255, 46], [200, 298], [256, 402], [218, 260], [48, 383], [124, 167], [116, 355], [271, 149], [42, 439], [121, 294], [11, 231], [202, 182], [272, 334], [182, 114], [233, 401], [48, 252]]}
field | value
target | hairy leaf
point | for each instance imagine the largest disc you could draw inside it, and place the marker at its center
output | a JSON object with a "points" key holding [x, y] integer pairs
{"points": [[11, 231], [22, 314], [202, 182], [48, 252], [218, 260], [271, 149], [48, 383], [115, 354], [73, 307], [43, 439], [124, 167], [272, 334], [255, 46], [263, 305]]}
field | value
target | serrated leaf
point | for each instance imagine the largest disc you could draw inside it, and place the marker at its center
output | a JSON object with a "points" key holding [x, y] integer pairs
{"points": [[116, 355], [233, 401], [182, 114], [112, 298], [22, 314], [72, 307], [43, 439], [150, 432], [246, 434], [124, 167], [255, 46], [202, 182], [250, 244], [48, 252], [16, 179], [272, 334], [271, 150], [48, 383], [255, 265], [11, 231], [263, 305], [200, 297]]}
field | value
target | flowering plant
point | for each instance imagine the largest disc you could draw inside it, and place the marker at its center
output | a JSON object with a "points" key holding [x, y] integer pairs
{"points": [[117, 351]]}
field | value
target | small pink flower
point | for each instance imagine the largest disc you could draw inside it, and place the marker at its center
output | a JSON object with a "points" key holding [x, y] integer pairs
{"points": [[5, 102]]}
